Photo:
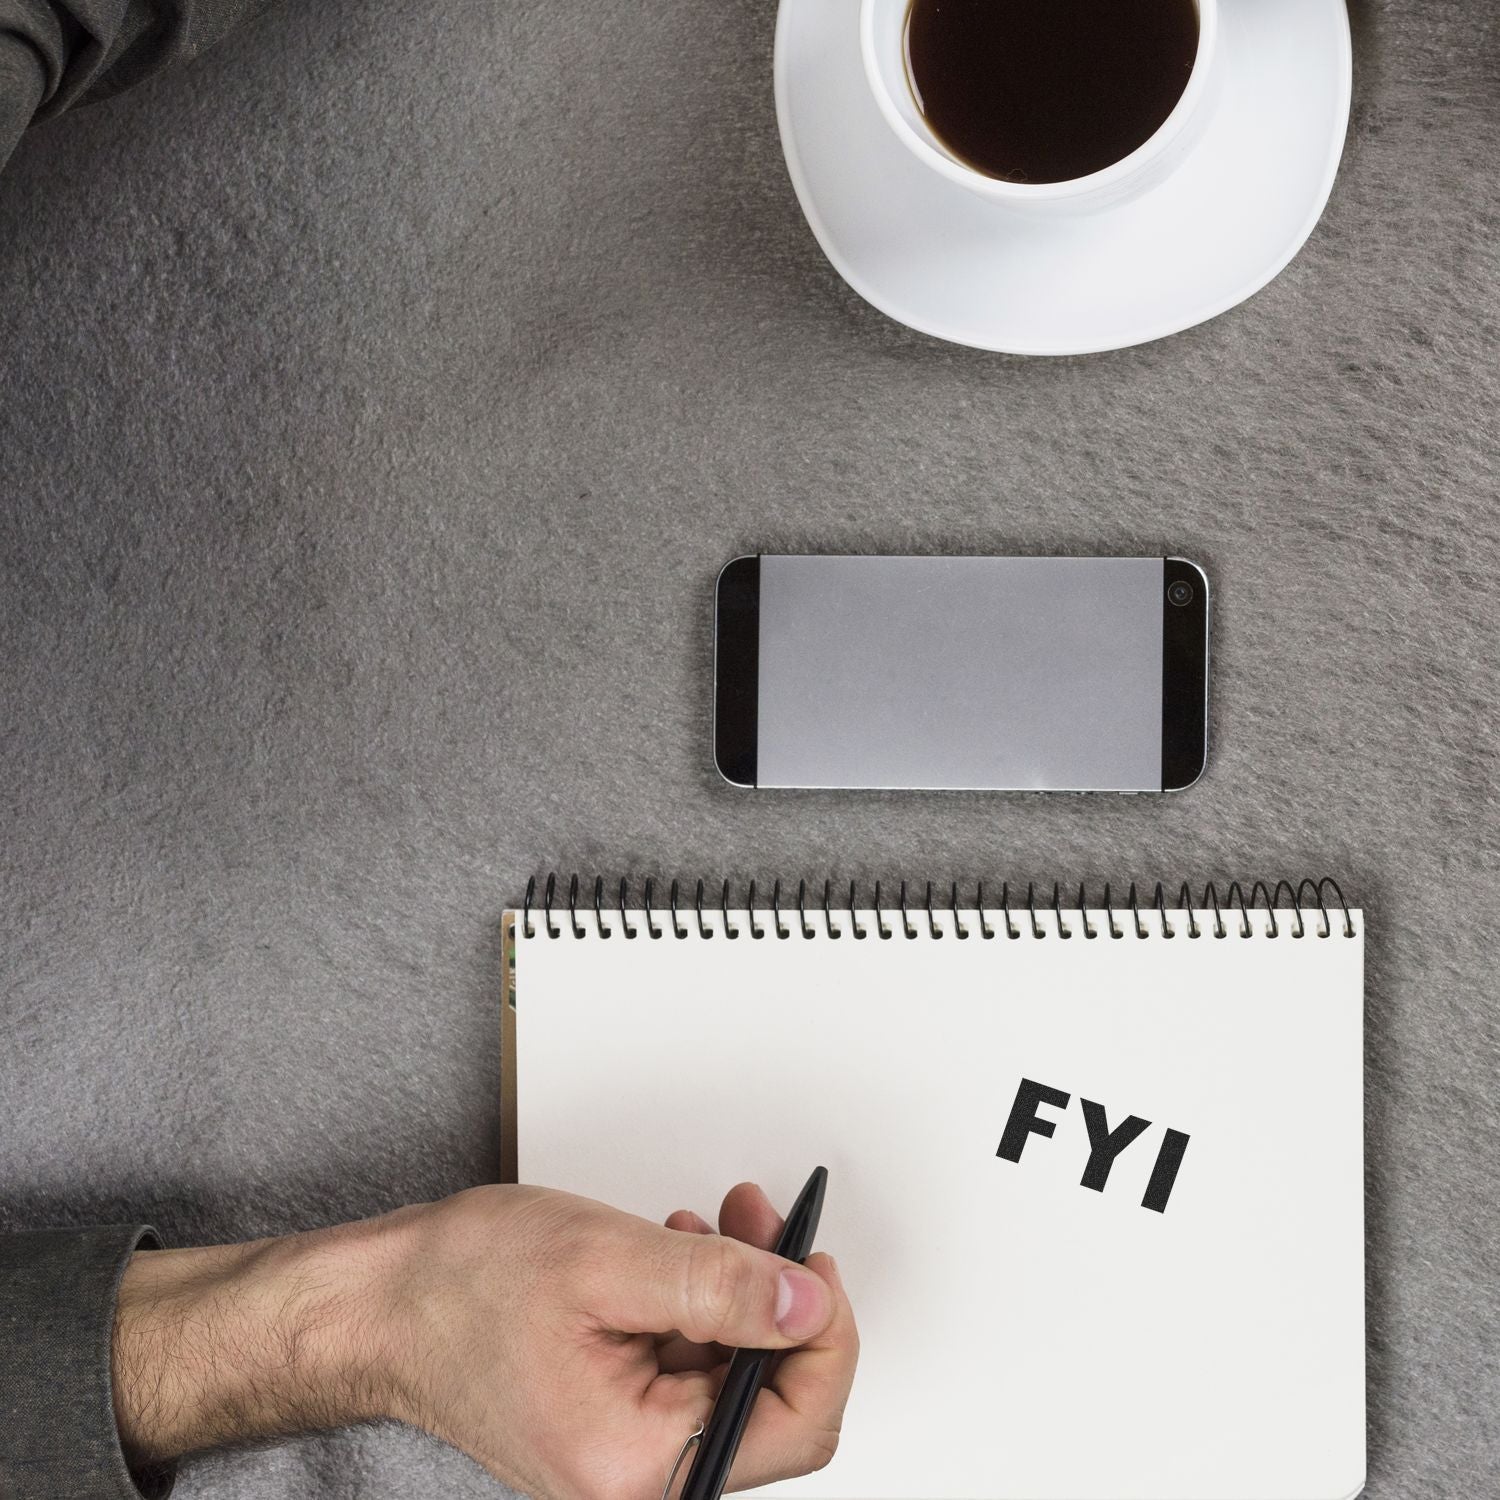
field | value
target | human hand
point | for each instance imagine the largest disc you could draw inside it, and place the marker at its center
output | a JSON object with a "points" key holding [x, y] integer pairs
{"points": [[568, 1347]]}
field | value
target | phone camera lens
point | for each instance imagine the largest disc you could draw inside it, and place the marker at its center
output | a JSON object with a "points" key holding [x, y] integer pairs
{"points": [[1180, 593]]}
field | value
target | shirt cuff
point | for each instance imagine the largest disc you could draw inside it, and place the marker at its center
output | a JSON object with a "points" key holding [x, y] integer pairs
{"points": [[22, 84], [58, 1436]]}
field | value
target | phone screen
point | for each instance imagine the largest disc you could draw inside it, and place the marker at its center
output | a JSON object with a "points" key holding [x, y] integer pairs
{"points": [[1027, 673]]}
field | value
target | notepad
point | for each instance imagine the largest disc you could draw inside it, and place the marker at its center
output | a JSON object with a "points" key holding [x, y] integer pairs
{"points": [[1095, 1174]]}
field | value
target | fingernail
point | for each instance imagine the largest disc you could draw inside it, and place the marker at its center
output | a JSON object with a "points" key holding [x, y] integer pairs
{"points": [[801, 1303]]}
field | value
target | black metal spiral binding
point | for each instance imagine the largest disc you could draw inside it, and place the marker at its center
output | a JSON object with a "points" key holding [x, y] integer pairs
{"points": [[985, 930], [1211, 897], [755, 931], [1236, 895], [1305, 899], [1317, 891], [854, 926], [1185, 903], [604, 931], [1083, 910], [1036, 927], [959, 930], [1109, 911], [833, 932], [1011, 930], [1286, 885], [1261, 889]]}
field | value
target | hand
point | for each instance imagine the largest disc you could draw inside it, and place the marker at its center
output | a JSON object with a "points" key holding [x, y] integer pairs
{"points": [[568, 1347]]}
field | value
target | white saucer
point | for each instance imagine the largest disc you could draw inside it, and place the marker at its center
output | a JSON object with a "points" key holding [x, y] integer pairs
{"points": [[945, 261]]}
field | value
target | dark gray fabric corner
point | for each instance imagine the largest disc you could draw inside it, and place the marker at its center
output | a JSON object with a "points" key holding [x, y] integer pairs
{"points": [[57, 1415], [22, 82], [86, 50], [379, 397]]}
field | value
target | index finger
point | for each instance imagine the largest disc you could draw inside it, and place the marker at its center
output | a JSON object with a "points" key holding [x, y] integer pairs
{"points": [[747, 1214]]}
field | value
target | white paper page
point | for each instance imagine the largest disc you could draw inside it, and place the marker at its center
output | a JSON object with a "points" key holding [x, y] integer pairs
{"points": [[1023, 1337]]}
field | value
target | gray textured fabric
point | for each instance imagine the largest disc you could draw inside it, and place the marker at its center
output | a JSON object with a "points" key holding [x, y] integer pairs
{"points": [[57, 1416], [380, 396]]}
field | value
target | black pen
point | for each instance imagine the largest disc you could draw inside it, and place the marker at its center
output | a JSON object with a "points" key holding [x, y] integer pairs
{"points": [[749, 1367]]}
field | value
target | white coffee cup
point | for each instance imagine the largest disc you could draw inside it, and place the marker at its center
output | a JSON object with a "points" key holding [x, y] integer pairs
{"points": [[882, 34]]}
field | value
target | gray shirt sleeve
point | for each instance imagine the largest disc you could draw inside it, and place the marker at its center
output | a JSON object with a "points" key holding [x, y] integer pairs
{"points": [[57, 53], [57, 1413], [22, 82]]}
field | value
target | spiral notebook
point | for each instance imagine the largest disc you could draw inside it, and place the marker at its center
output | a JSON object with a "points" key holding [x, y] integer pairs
{"points": [[1095, 1171]]}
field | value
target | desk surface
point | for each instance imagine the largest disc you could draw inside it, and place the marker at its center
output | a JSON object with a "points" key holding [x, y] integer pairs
{"points": [[380, 396]]}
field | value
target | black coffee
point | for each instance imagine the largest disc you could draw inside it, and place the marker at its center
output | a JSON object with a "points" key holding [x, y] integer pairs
{"points": [[1045, 90]]}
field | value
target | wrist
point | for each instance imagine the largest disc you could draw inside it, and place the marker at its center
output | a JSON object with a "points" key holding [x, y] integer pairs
{"points": [[236, 1343]]}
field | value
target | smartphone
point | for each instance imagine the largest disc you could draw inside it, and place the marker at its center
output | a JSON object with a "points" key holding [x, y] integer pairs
{"points": [[1084, 674]]}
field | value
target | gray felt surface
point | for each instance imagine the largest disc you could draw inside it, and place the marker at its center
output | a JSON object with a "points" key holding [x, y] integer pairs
{"points": [[380, 396]]}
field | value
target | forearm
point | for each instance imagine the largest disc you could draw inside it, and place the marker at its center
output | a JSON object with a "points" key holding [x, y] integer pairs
{"points": [[562, 1344], [236, 1343]]}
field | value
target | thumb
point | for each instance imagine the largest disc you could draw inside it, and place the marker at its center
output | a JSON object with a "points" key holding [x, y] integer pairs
{"points": [[711, 1289]]}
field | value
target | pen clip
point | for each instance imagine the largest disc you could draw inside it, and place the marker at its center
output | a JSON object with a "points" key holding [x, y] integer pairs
{"points": [[694, 1438]]}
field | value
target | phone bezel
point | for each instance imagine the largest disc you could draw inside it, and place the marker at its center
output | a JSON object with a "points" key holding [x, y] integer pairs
{"points": [[1184, 676], [737, 670]]}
